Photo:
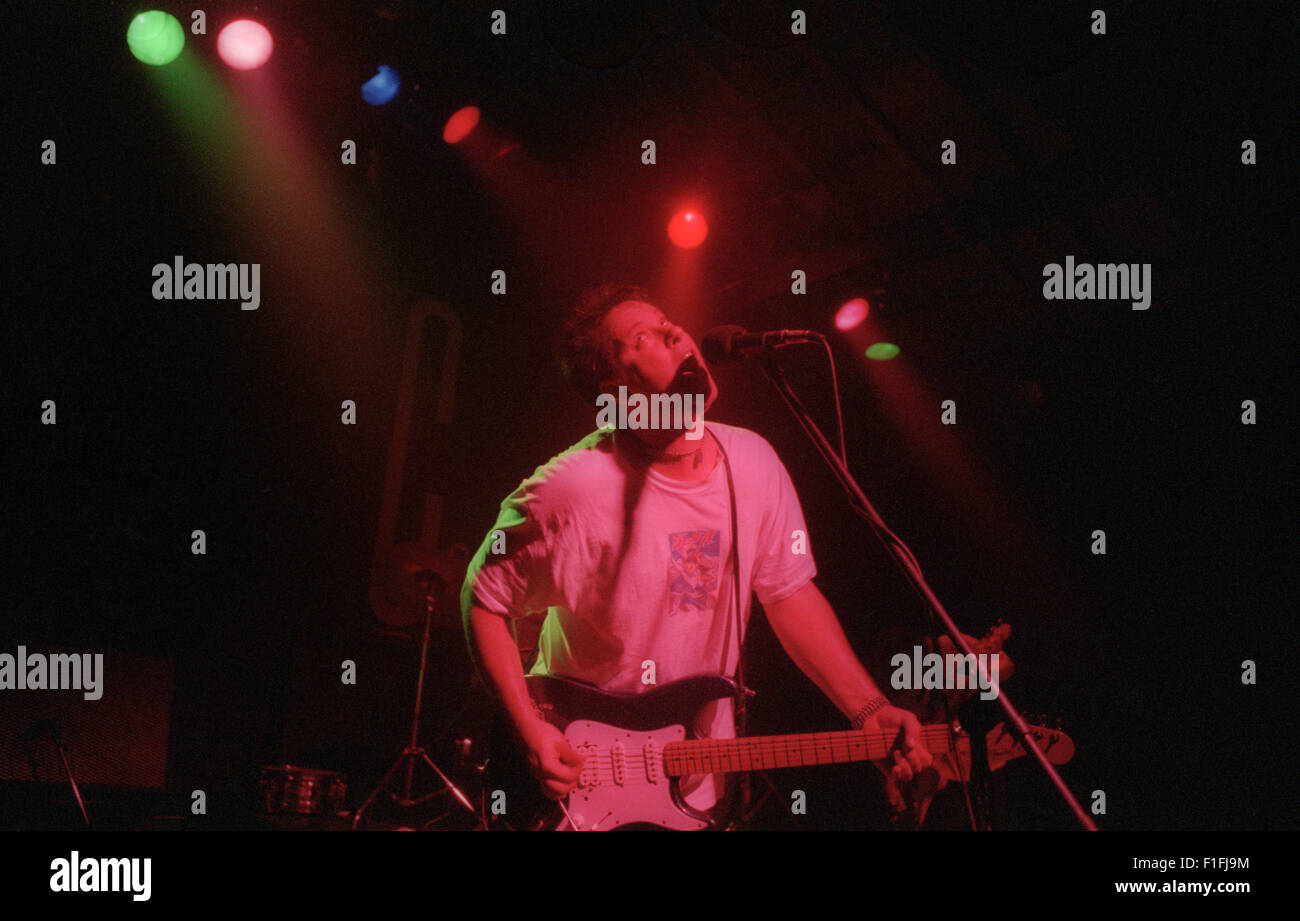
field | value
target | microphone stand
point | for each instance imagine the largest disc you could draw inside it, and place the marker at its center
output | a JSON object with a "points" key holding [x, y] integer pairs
{"points": [[859, 502]]}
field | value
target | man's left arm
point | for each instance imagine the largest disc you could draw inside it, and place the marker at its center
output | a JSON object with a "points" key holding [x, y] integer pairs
{"points": [[811, 634]]}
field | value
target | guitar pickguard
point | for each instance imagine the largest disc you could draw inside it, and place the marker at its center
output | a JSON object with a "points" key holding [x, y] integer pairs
{"points": [[623, 782]]}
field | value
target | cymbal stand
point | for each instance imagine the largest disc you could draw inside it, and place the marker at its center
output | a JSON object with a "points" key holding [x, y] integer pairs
{"points": [[414, 753]]}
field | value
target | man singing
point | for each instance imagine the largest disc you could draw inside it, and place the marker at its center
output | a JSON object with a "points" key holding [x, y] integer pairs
{"points": [[625, 541]]}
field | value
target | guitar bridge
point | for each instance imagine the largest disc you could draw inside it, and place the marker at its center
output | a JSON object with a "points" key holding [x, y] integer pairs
{"points": [[589, 776]]}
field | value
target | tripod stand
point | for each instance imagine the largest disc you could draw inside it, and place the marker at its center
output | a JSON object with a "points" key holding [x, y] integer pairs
{"points": [[414, 753], [51, 726]]}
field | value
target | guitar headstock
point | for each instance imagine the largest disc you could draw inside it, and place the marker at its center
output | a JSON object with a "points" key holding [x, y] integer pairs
{"points": [[998, 634], [988, 644], [1003, 746]]}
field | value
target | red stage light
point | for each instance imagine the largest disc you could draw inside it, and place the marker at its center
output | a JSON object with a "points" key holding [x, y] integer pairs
{"points": [[687, 229], [244, 44], [852, 313], [460, 124]]}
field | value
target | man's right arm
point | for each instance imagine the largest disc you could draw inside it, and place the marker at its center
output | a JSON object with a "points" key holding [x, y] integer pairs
{"points": [[554, 762], [493, 647]]}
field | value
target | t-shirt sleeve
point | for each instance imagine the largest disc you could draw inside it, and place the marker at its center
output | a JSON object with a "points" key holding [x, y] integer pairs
{"points": [[511, 572], [784, 557]]}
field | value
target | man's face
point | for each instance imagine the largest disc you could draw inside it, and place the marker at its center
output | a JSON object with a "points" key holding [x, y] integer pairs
{"points": [[654, 355]]}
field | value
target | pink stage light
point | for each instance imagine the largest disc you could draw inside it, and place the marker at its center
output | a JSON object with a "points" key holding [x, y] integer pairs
{"points": [[688, 229], [461, 123], [244, 44], [852, 313]]}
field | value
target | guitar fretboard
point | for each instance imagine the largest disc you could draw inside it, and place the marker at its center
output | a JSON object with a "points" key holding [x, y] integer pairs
{"points": [[764, 753]]}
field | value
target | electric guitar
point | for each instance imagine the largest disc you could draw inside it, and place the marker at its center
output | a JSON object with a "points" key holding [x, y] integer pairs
{"points": [[638, 749]]}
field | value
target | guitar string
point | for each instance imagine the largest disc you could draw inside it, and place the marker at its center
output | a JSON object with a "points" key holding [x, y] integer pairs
{"points": [[810, 738], [730, 755], [721, 762], [815, 742], [839, 746]]}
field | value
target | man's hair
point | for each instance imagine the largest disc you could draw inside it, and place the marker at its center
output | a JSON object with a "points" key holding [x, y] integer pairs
{"points": [[582, 347]]}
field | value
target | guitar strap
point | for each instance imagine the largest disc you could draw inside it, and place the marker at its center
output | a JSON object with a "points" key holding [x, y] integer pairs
{"points": [[736, 596]]}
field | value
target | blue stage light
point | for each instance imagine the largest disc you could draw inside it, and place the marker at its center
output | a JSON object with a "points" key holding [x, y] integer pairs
{"points": [[382, 87]]}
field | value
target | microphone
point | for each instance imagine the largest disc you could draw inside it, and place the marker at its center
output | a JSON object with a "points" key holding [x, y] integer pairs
{"points": [[724, 344]]}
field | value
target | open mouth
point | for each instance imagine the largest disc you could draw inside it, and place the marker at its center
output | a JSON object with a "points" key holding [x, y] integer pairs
{"points": [[690, 377]]}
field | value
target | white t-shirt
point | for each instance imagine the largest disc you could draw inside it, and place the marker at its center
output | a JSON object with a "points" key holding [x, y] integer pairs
{"points": [[632, 565]]}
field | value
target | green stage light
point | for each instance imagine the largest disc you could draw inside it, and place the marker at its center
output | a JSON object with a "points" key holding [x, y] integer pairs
{"points": [[882, 351], [155, 37]]}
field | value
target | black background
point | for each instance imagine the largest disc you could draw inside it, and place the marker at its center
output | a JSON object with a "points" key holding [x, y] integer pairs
{"points": [[824, 150]]}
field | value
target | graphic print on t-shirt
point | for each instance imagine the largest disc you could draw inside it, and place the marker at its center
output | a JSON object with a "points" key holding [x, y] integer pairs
{"points": [[693, 570]]}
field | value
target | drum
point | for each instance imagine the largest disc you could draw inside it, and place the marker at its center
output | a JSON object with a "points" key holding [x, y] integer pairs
{"points": [[287, 789]]}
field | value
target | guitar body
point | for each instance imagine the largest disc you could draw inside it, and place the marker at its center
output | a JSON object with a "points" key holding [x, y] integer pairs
{"points": [[639, 746], [623, 783]]}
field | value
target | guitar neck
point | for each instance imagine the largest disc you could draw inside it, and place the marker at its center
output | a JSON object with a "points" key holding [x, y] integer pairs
{"points": [[763, 753]]}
